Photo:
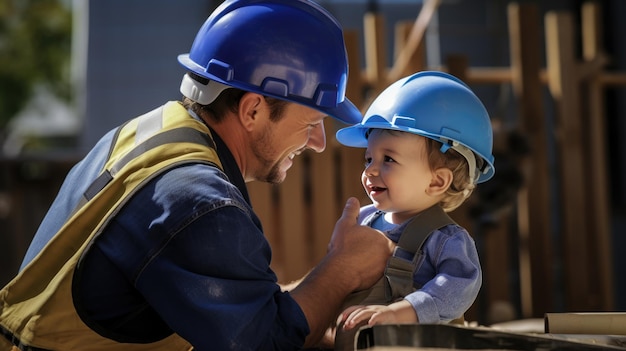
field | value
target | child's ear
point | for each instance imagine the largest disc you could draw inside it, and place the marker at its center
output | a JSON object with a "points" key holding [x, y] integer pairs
{"points": [[441, 181]]}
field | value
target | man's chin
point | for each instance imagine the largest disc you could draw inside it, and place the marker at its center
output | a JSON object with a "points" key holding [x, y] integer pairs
{"points": [[276, 176], [279, 172]]}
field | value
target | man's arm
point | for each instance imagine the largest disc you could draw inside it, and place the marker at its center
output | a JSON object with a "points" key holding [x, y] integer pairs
{"points": [[355, 260]]}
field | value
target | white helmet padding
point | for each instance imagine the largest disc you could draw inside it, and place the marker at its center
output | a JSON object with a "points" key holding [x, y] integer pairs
{"points": [[203, 94]]}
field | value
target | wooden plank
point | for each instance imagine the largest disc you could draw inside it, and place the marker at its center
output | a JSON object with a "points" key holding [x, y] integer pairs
{"points": [[493, 75], [325, 210], [613, 79], [496, 262], [417, 60], [457, 65], [564, 86], [354, 86], [350, 160], [595, 121], [260, 196], [591, 32], [415, 39], [351, 167], [266, 207], [498, 75], [537, 282], [489, 75], [375, 51], [293, 224]]}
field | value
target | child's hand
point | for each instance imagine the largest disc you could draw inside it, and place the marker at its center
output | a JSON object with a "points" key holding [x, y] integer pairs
{"points": [[398, 312], [373, 314]]}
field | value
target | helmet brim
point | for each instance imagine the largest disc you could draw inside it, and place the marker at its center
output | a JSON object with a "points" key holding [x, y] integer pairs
{"points": [[345, 111], [355, 136]]}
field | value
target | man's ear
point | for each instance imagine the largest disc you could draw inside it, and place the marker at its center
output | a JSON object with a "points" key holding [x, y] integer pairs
{"points": [[440, 182], [250, 107]]}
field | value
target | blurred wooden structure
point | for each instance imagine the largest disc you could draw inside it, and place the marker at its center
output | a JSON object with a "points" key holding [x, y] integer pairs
{"points": [[579, 242], [299, 215]]}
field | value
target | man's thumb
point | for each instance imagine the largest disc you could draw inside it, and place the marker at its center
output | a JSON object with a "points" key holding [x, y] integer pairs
{"points": [[348, 218], [351, 210]]}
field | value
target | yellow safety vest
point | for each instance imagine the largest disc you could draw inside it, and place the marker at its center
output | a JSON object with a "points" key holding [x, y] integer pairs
{"points": [[36, 307]]}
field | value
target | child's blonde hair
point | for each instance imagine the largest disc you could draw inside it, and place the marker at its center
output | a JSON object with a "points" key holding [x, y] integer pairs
{"points": [[462, 185]]}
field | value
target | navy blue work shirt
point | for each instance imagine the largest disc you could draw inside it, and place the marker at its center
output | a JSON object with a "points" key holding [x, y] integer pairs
{"points": [[186, 254]]}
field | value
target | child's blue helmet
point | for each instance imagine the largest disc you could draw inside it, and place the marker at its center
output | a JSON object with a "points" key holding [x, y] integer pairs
{"points": [[436, 105], [288, 49]]}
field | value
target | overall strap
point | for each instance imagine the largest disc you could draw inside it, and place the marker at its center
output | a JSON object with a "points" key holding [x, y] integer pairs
{"points": [[399, 270]]}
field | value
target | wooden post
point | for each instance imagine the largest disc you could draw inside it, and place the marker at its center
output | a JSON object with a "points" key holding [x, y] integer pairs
{"points": [[350, 161], [417, 61], [457, 65], [564, 85], [262, 196], [600, 231], [414, 40], [293, 227], [325, 210], [375, 51], [354, 86], [536, 282]]}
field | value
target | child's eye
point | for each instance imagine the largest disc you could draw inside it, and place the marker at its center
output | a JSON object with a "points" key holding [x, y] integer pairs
{"points": [[389, 159], [368, 160]]}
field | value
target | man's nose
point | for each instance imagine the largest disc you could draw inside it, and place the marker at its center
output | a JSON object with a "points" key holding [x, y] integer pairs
{"points": [[317, 138]]}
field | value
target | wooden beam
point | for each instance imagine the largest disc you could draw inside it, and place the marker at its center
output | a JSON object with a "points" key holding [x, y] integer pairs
{"points": [[457, 65], [534, 203], [428, 10], [612, 79], [350, 160], [293, 226], [417, 61], [325, 209], [354, 87], [375, 51], [595, 121], [564, 86], [264, 205]]}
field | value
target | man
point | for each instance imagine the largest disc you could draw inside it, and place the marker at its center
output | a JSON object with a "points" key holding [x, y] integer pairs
{"points": [[152, 244]]}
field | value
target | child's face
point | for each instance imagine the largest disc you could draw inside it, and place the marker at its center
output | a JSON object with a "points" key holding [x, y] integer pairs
{"points": [[397, 174]]}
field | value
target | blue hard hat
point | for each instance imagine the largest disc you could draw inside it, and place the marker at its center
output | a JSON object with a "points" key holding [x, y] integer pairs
{"points": [[288, 49], [435, 105]]}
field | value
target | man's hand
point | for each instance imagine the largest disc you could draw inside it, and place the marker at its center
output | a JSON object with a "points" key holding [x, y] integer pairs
{"points": [[362, 251], [356, 259]]}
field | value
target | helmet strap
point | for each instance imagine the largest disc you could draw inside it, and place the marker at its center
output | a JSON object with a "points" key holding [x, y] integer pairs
{"points": [[474, 172], [203, 94]]}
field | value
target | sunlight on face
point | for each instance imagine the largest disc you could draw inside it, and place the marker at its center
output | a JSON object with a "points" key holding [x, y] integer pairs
{"points": [[279, 142], [397, 172]]}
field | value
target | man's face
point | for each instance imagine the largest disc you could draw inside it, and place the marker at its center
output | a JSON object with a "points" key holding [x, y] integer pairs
{"points": [[277, 143]]}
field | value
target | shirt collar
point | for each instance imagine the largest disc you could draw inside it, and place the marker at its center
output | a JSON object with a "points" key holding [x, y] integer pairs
{"points": [[231, 169], [230, 165]]}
